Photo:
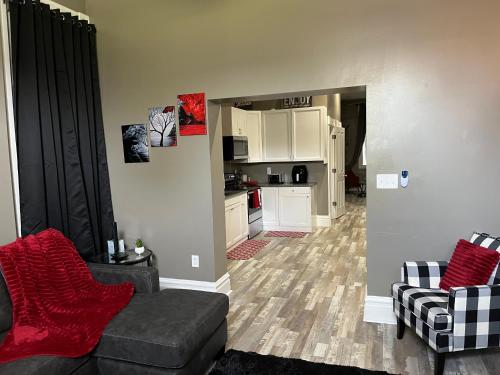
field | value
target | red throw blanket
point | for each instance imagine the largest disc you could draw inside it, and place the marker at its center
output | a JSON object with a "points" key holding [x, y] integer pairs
{"points": [[58, 307]]}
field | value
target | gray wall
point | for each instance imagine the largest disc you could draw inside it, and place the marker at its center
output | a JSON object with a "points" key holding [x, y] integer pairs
{"points": [[76, 5], [217, 171], [432, 76], [8, 222]]}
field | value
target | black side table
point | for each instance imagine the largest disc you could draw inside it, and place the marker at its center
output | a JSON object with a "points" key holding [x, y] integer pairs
{"points": [[132, 258]]}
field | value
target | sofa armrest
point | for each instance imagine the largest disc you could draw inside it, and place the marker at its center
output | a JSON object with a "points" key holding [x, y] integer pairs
{"points": [[476, 316], [145, 279], [422, 274]]}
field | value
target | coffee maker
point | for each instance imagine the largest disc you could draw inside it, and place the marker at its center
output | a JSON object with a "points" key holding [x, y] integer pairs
{"points": [[299, 174]]}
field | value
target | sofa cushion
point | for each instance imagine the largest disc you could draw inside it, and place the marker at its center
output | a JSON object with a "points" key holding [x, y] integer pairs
{"points": [[490, 242], [163, 329], [41, 365], [5, 307], [429, 305]]}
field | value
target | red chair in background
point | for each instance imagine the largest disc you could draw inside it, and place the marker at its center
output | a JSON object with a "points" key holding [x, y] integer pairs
{"points": [[353, 181]]}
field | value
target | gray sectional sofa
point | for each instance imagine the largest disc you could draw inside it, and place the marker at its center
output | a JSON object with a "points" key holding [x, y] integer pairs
{"points": [[168, 332]]}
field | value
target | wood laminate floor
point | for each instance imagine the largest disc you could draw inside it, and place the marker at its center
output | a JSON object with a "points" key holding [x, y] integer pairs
{"points": [[304, 298]]}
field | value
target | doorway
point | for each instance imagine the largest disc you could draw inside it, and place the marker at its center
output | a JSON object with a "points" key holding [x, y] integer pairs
{"points": [[299, 295], [347, 159]]}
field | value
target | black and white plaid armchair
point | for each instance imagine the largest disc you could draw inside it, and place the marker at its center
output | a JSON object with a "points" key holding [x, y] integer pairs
{"points": [[465, 318]]}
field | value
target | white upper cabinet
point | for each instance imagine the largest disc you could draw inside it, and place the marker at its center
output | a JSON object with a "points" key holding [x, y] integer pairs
{"points": [[280, 135], [276, 135], [233, 121], [307, 133], [253, 128]]}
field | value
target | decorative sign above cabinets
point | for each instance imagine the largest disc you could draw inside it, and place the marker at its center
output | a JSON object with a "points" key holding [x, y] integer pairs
{"points": [[297, 102], [247, 106]]}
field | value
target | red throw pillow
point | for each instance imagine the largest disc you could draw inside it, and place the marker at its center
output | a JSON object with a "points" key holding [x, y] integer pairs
{"points": [[469, 265]]}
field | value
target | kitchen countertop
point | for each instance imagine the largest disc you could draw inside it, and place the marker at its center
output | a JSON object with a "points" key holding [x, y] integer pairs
{"points": [[233, 193], [288, 184]]}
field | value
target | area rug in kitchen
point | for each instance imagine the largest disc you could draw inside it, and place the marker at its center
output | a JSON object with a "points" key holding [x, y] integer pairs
{"points": [[246, 250], [241, 363], [286, 234]]}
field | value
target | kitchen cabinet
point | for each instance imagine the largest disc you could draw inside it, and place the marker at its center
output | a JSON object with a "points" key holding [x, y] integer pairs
{"points": [[308, 128], [253, 129], [295, 207], [270, 201], [288, 208], [283, 135], [276, 134], [236, 213], [233, 121]]}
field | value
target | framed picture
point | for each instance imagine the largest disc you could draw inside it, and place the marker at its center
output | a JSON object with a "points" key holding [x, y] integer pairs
{"points": [[162, 127], [192, 114], [135, 143]]}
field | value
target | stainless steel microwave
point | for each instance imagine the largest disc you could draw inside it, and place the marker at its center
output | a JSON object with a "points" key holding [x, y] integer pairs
{"points": [[235, 148]]}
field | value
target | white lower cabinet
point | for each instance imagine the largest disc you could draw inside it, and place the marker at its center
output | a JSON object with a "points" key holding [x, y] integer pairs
{"points": [[236, 220], [270, 203], [287, 208], [295, 207]]}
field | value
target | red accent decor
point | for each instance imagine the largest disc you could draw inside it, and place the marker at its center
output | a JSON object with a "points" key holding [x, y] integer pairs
{"points": [[469, 265], [246, 250], [256, 199], [58, 307], [286, 234], [192, 114]]}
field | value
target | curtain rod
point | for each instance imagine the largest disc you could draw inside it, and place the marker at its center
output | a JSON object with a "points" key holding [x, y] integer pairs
{"points": [[54, 5]]}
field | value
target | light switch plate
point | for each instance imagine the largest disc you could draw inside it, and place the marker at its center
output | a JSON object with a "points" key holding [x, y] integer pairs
{"points": [[195, 261], [387, 181], [268, 170]]}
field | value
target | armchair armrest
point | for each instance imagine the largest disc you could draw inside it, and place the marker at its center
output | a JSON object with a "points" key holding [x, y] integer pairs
{"points": [[422, 274], [476, 316], [145, 279]]}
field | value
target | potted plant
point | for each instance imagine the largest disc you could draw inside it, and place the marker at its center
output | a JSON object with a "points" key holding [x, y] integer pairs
{"points": [[139, 246]]}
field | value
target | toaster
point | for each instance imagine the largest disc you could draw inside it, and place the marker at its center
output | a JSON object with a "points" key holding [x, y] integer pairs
{"points": [[274, 178]]}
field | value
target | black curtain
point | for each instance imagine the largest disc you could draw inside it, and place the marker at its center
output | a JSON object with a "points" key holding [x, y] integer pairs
{"points": [[360, 135], [63, 172]]}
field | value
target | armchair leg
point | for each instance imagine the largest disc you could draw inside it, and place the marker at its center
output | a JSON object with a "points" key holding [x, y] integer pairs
{"points": [[401, 329], [439, 364]]}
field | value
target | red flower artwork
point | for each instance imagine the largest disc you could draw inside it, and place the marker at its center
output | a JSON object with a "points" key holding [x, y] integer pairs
{"points": [[192, 114]]}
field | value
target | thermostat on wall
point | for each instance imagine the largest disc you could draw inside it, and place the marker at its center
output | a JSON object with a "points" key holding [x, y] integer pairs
{"points": [[404, 179]]}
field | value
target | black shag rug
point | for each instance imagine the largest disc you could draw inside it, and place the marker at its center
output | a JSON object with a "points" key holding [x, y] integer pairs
{"points": [[234, 362]]}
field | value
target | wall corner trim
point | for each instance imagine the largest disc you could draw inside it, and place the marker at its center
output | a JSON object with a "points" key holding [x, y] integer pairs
{"points": [[379, 310], [223, 285], [321, 221]]}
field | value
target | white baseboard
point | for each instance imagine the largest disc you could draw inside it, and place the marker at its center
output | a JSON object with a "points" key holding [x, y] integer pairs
{"points": [[223, 285], [321, 221], [379, 310], [273, 227]]}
